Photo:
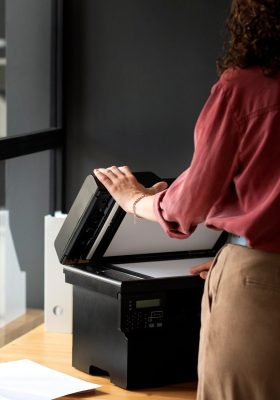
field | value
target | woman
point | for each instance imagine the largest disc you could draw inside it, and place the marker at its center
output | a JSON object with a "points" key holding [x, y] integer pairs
{"points": [[232, 184]]}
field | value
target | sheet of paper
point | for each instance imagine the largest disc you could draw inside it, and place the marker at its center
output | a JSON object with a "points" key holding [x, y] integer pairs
{"points": [[27, 380], [165, 268], [3, 398]]}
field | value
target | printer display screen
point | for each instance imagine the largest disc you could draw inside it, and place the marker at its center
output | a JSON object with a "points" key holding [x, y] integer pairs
{"points": [[147, 303]]}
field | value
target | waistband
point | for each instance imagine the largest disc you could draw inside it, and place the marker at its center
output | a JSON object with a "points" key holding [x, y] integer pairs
{"points": [[235, 239]]}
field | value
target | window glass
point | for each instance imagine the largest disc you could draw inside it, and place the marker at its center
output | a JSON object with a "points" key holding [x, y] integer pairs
{"points": [[27, 201], [30, 185], [3, 117], [31, 65]]}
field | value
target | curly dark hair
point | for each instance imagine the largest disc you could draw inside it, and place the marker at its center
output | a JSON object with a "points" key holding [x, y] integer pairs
{"points": [[254, 36]]}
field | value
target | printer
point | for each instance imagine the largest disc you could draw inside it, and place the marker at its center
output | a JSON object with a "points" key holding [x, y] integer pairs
{"points": [[136, 306]]}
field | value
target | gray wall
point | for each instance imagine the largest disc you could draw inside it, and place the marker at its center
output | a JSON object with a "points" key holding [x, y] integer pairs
{"points": [[137, 75]]}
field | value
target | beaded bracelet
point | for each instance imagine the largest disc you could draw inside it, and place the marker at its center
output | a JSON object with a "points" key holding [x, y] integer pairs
{"points": [[135, 203]]}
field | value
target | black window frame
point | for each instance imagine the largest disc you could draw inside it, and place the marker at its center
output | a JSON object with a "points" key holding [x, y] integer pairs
{"points": [[16, 146]]}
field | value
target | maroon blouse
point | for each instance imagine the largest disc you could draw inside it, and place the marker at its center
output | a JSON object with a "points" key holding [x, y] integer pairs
{"points": [[233, 182]]}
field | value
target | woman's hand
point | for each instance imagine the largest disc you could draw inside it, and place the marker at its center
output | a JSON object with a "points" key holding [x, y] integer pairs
{"points": [[202, 269], [124, 187]]}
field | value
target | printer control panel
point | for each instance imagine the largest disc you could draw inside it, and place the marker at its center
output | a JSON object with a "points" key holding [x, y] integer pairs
{"points": [[142, 313]]}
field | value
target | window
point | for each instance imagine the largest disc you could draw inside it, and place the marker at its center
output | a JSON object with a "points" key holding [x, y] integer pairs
{"points": [[31, 140]]}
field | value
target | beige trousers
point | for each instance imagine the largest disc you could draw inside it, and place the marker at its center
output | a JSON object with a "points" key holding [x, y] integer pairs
{"points": [[239, 356]]}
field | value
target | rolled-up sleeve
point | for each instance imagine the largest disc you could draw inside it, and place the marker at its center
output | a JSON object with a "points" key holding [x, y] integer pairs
{"points": [[193, 195]]}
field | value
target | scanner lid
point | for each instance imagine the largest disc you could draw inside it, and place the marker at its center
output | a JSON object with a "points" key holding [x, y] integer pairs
{"points": [[96, 229], [92, 221]]}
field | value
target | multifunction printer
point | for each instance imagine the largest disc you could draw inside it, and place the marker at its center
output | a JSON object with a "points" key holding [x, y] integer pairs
{"points": [[136, 305]]}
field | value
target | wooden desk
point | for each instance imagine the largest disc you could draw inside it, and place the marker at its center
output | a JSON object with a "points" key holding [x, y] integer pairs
{"points": [[54, 351], [30, 320]]}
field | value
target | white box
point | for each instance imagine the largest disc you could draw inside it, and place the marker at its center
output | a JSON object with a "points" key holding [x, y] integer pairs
{"points": [[12, 278], [58, 294]]}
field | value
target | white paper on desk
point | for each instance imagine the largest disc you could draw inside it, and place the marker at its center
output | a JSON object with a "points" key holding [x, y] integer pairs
{"points": [[3, 398], [27, 380]]}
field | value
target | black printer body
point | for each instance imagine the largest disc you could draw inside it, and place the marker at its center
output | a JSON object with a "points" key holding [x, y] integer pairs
{"points": [[136, 307]]}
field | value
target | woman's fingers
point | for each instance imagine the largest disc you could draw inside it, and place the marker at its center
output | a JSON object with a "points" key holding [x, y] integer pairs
{"points": [[108, 176], [126, 170], [102, 175], [117, 171], [111, 172], [202, 269], [114, 172], [203, 274]]}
